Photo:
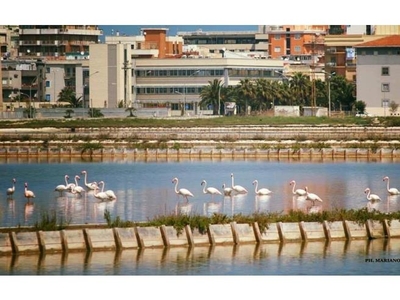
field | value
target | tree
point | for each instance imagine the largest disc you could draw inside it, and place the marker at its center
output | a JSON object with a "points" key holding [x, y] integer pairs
{"points": [[342, 92], [393, 106], [248, 91], [210, 95], [360, 106], [66, 94], [300, 85]]}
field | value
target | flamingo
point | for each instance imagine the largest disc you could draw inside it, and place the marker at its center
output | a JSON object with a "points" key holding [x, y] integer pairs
{"points": [[237, 188], [184, 192], [371, 197], [77, 189], [227, 190], [28, 194], [61, 187], [210, 190], [109, 193], [11, 190], [312, 197], [262, 191], [102, 195], [89, 185], [391, 191], [298, 192]]}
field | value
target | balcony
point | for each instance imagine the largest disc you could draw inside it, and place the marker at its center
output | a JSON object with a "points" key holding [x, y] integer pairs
{"points": [[331, 64]]}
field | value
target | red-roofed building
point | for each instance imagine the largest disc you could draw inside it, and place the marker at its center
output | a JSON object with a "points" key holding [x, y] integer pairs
{"points": [[378, 74]]}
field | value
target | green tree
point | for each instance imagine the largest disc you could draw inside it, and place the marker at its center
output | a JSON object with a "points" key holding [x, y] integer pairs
{"points": [[360, 106], [66, 94], [300, 86], [210, 95], [247, 93], [342, 93]]}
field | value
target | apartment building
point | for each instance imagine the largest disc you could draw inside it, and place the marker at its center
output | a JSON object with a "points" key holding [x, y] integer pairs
{"points": [[214, 44], [56, 41], [378, 72]]}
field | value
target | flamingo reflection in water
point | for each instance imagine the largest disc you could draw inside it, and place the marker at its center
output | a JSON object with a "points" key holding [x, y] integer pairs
{"points": [[210, 208], [183, 208], [392, 203], [262, 203]]}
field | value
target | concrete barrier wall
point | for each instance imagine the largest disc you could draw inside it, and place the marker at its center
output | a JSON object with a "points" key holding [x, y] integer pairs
{"points": [[217, 234]]}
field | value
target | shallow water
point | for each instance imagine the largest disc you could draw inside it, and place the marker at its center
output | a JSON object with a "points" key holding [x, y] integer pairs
{"points": [[145, 189]]}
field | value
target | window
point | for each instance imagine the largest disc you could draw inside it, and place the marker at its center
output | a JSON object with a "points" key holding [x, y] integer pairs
{"points": [[48, 97], [385, 71], [385, 87], [376, 52], [277, 37], [277, 49], [297, 36], [297, 49], [47, 83]]}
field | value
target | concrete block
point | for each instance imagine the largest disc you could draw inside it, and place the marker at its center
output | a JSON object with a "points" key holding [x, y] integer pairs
{"points": [[243, 233], [289, 232], [392, 228], [5, 243], [312, 231], [50, 241], [355, 230], [100, 239], [149, 237], [221, 234], [335, 230], [271, 234], [73, 240], [200, 239], [172, 238], [25, 242], [126, 238], [375, 229]]}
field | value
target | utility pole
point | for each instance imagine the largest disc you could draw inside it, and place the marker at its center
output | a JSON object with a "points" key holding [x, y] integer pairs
{"points": [[126, 67]]}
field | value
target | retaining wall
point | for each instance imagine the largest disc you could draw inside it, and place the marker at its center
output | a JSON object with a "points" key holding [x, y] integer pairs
{"points": [[93, 239]]}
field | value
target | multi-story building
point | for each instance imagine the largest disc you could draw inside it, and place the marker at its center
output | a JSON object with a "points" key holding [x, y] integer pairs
{"points": [[223, 44], [150, 82], [378, 72], [56, 41]]}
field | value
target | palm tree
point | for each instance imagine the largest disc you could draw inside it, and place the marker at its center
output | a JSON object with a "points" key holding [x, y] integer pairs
{"points": [[66, 94], [300, 86], [265, 93], [75, 102], [210, 95], [247, 91]]}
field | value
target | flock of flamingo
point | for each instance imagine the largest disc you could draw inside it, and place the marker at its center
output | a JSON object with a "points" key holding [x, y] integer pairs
{"points": [[236, 189], [73, 188]]}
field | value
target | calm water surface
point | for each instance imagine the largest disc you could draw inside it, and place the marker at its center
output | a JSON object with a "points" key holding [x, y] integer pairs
{"points": [[144, 189]]}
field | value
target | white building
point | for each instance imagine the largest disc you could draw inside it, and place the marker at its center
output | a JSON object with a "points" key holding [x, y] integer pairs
{"points": [[378, 73]]}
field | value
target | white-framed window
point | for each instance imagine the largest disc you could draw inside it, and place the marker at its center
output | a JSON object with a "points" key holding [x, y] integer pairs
{"points": [[385, 87], [277, 49], [297, 36], [385, 71], [297, 49], [277, 37]]}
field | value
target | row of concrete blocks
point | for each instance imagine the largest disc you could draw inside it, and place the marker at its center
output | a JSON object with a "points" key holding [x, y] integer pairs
{"points": [[210, 152], [91, 239]]}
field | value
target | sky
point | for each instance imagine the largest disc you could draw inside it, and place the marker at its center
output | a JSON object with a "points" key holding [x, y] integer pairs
{"points": [[200, 13]]}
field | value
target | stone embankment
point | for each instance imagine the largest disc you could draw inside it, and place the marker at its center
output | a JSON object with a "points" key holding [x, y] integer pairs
{"points": [[94, 238], [201, 142]]}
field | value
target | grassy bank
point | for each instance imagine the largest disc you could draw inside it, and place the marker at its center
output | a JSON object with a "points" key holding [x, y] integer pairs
{"points": [[193, 122]]}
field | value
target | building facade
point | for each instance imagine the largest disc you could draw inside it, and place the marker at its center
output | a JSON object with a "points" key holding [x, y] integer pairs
{"points": [[147, 82], [378, 73]]}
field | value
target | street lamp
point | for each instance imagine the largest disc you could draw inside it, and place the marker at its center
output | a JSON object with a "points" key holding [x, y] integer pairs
{"points": [[219, 96]]}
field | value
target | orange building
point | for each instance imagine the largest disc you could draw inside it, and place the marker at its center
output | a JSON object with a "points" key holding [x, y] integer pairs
{"points": [[298, 43]]}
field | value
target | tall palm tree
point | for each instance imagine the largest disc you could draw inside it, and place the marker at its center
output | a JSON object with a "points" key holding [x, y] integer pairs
{"points": [[265, 93], [66, 94], [210, 95], [300, 85], [247, 91]]}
